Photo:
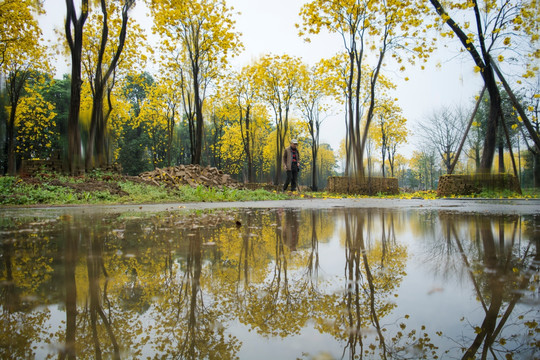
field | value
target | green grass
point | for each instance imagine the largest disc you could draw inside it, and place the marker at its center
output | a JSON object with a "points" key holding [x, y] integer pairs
{"points": [[14, 191]]}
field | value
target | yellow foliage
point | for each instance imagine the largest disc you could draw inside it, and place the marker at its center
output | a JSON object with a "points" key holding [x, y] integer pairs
{"points": [[20, 36], [35, 121]]}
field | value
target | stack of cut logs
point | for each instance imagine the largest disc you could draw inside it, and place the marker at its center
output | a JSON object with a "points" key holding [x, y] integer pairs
{"points": [[192, 175]]}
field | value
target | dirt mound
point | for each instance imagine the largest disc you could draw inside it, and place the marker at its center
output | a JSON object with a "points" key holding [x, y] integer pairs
{"points": [[192, 175]]}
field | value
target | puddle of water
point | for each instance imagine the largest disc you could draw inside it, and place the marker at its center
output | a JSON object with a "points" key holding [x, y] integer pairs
{"points": [[280, 283]]}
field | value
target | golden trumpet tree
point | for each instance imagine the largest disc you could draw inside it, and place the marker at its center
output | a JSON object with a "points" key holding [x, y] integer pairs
{"points": [[311, 102], [279, 78], [486, 30], [18, 27], [243, 88], [35, 121], [21, 54], [389, 130], [240, 129], [197, 37], [104, 61], [224, 139], [381, 28], [158, 117]]}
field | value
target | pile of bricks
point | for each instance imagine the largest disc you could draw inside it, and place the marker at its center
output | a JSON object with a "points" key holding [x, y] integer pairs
{"points": [[52, 165], [363, 186], [474, 184]]}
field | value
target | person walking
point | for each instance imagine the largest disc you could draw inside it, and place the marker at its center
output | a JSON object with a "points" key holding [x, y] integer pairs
{"points": [[291, 164]]}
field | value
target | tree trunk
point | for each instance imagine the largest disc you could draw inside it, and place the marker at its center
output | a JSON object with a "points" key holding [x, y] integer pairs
{"points": [[314, 169], [382, 165], [279, 154], [10, 144], [536, 169], [501, 158], [15, 86], [281, 133], [198, 131], [456, 158], [75, 45], [495, 111], [97, 110], [248, 144]]}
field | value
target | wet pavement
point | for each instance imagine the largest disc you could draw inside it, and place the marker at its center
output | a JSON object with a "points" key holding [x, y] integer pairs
{"points": [[485, 206]]}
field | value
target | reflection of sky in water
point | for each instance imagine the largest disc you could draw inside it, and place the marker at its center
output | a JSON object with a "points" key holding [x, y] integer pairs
{"points": [[437, 291]]}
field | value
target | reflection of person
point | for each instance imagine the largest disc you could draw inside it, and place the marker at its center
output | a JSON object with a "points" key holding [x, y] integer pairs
{"points": [[290, 226], [291, 163]]}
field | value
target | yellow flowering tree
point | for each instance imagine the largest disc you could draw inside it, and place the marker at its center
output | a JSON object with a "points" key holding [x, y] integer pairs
{"points": [[36, 125], [383, 28], [389, 131], [487, 29], [108, 55], [279, 79], [197, 37], [158, 118], [21, 55], [314, 89], [245, 105]]}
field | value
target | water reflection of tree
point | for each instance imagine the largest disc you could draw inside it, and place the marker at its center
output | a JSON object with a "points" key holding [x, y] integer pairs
{"points": [[374, 267], [283, 252], [71, 240], [95, 268], [312, 266], [95, 325], [500, 270], [24, 269], [184, 320]]}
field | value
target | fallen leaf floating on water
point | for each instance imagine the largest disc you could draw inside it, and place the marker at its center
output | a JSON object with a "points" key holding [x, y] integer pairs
{"points": [[435, 290]]}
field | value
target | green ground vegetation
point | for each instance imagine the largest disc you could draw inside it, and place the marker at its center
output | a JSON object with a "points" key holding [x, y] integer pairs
{"points": [[112, 189], [106, 188]]}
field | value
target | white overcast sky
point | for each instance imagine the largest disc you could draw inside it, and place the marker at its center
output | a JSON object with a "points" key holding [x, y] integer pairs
{"points": [[268, 26]]}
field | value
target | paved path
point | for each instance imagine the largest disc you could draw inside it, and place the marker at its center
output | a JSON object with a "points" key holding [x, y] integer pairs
{"points": [[484, 206]]}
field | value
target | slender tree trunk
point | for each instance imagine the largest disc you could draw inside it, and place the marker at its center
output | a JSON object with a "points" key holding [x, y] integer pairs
{"points": [[536, 169], [197, 150], [314, 168], [500, 148], [495, 111], [456, 158], [10, 144], [281, 132], [15, 86], [247, 140], [97, 110], [75, 45]]}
